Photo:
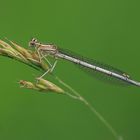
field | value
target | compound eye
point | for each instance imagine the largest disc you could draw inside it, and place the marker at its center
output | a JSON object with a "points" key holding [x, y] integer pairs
{"points": [[34, 40]]}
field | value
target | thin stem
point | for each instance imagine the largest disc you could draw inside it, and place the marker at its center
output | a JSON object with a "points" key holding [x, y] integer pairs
{"points": [[72, 96], [82, 99]]}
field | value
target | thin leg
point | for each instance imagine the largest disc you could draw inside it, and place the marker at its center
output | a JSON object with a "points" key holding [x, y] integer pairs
{"points": [[44, 74], [41, 55], [52, 68], [44, 56], [49, 70], [37, 50]]}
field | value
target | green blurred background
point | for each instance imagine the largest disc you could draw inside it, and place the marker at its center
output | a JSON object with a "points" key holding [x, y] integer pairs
{"points": [[108, 31]]}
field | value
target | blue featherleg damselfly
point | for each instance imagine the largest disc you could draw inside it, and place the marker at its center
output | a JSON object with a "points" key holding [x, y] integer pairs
{"points": [[45, 50], [53, 50]]}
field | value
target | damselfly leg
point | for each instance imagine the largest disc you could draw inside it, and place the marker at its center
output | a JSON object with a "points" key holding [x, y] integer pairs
{"points": [[51, 66], [44, 56], [37, 51]]}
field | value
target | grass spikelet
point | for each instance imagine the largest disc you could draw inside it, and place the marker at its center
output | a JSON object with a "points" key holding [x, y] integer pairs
{"points": [[41, 85], [23, 55], [50, 85], [22, 50]]}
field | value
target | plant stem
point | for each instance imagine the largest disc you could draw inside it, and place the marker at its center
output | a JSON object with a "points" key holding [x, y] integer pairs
{"points": [[77, 96]]}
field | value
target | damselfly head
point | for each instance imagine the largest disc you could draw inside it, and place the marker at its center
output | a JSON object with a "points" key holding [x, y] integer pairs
{"points": [[33, 42]]}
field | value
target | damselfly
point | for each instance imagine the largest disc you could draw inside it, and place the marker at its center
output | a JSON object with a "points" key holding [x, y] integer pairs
{"points": [[52, 50], [45, 50]]}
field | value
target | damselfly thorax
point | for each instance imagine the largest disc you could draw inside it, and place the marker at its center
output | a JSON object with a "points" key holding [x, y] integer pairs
{"points": [[44, 48]]}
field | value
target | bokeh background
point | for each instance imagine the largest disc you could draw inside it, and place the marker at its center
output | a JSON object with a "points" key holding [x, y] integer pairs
{"points": [[108, 31]]}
